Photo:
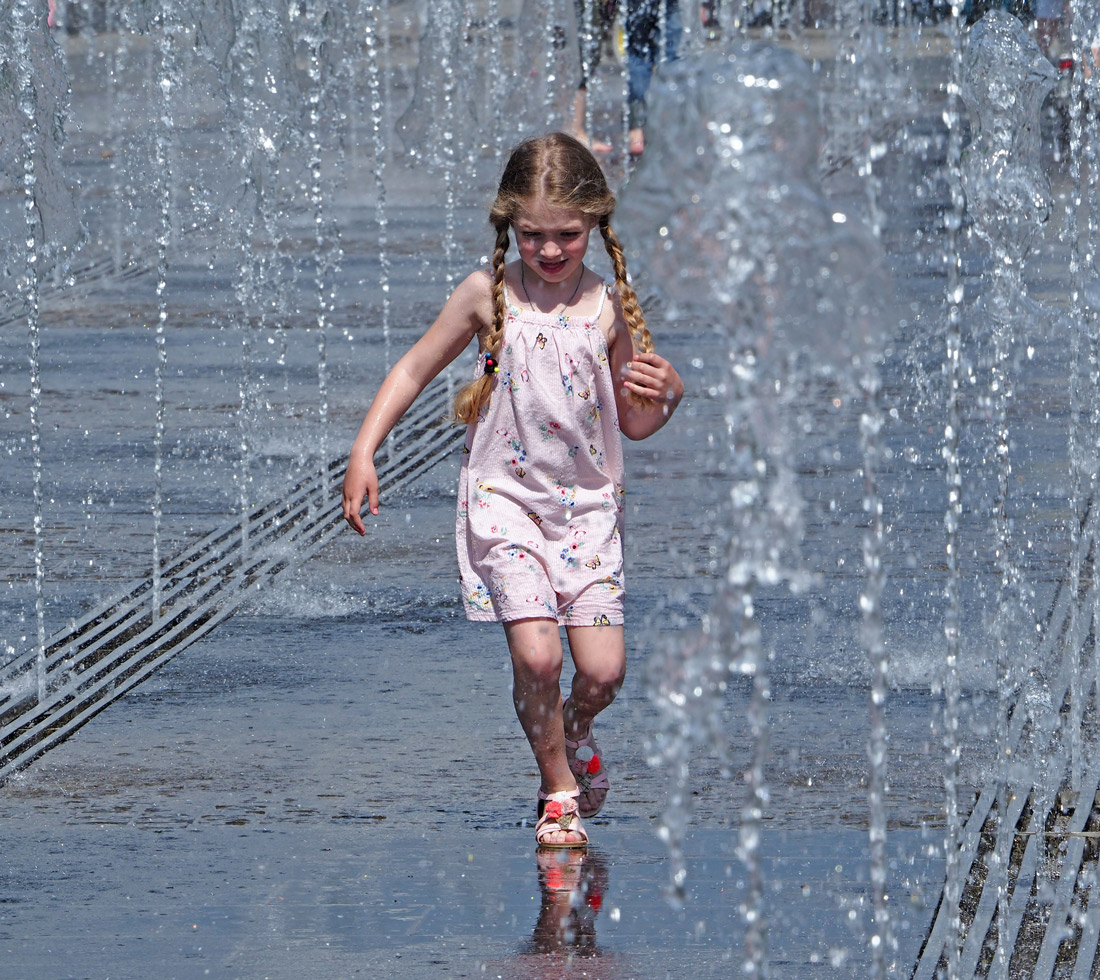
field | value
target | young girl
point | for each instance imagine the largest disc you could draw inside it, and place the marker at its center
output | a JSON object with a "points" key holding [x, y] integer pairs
{"points": [[565, 364]]}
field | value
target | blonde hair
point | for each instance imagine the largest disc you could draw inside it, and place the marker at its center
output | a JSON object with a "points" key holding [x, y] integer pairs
{"points": [[563, 172]]}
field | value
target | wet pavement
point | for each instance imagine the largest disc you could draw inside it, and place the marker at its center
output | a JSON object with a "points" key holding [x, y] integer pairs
{"points": [[301, 798], [334, 783]]}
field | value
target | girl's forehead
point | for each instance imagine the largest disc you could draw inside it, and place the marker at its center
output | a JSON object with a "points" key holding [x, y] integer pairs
{"points": [[540, 213]]}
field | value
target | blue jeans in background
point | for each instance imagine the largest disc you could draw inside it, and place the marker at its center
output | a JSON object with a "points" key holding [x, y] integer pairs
{"points": [[645, 48]]}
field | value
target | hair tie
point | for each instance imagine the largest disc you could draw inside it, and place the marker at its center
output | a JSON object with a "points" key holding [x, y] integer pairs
{"points": [[491, 366]]}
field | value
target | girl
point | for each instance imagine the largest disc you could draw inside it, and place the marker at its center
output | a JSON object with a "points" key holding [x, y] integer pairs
{"points": [[565, 364]]}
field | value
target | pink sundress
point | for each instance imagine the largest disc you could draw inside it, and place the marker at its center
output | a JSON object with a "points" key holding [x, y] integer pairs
{"points": [[540, 493]]}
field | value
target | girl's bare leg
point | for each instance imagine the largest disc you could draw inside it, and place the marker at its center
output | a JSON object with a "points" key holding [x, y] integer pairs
{"points": [[599, 655], [535, 645], [580, 110], [580, 127]]}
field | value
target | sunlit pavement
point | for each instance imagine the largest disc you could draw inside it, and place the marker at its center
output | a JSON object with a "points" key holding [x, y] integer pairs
{"points": [[334, 783], [286, 801]]}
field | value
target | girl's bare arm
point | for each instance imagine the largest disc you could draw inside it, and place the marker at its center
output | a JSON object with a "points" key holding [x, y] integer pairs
{"points": [[463, 315]]}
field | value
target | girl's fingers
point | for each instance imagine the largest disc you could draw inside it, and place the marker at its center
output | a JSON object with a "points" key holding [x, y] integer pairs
{"points": [[650, 376], [352, 504], [351, 515], [649, 364], [648, 392], [654, 387], [644, 375]]}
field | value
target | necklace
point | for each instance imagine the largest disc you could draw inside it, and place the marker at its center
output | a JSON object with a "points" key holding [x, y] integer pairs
{"points": [[568, 302]]}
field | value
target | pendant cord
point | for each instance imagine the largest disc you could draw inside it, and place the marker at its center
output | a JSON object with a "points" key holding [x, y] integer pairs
{"points": [[527, 295]]}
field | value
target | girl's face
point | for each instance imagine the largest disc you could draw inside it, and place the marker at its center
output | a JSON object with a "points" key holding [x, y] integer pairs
{"points": [[552, 241]]}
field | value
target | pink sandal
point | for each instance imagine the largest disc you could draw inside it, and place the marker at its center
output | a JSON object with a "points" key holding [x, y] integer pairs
{"points": [[559, 813], [584, 761]]}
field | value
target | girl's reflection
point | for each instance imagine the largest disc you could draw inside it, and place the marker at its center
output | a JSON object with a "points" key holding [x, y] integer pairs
{"points": [[572, 885]]}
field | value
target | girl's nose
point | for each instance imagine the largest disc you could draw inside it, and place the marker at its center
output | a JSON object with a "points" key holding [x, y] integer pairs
{"points": [[550, 249]]}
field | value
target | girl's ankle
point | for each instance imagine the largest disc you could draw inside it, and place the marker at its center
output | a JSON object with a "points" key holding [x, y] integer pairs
{"points": [[575, 729]]}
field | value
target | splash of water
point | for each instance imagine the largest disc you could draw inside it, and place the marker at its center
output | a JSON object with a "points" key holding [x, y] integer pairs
{"points": [[952, 619], [436, 127], [1005, 80], [858, 60], [41, 233], [254, 101], [1070, 233], [751, 270], [325, 243], [168, 81], [756, 248], [25, 20], [33, 80], [120, 194], [1087, 135], [883, 942], [377, 51], [1083, 448], [791, 272]]}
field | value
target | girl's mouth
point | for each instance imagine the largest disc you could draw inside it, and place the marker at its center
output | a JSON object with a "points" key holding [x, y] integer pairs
{"points": [[553, 268]]}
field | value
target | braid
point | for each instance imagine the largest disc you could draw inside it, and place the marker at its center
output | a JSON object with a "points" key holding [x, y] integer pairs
{"points": [[471, 398], [492, 342], [632, 310]]}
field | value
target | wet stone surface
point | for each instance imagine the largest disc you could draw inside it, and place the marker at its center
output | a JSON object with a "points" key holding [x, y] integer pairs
{"points": [[298, 797], [334, 784]]}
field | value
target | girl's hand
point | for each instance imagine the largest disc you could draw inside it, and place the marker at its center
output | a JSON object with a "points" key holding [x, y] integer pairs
{"points": [[360, 480], [653, 378], [656, 389]]}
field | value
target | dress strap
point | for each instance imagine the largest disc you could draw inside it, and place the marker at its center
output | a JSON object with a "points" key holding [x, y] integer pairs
{"points": [[603, 295]]}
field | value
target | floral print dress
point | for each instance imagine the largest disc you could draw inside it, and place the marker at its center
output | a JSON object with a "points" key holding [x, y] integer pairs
{"points": [[540, 495]]}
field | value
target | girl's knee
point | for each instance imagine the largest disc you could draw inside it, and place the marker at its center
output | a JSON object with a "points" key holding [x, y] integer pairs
{"points": [[607, 675], [599, 655], [539, 664], [536, 649]]}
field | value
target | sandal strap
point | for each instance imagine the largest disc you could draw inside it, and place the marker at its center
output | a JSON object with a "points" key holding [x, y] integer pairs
{"points": [[583, 757], [559, 795], [587, 780], [585, 742], [586, 766], [560, 814]]}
